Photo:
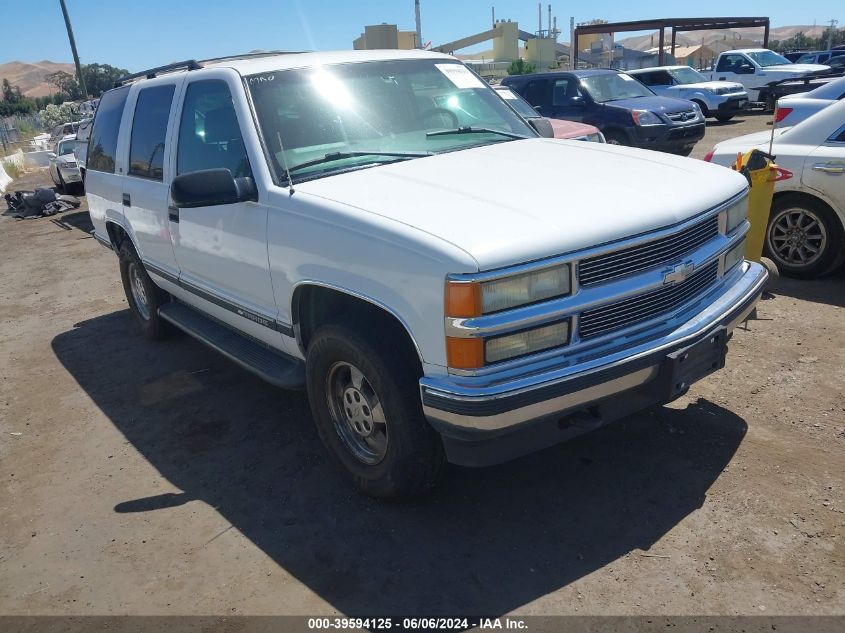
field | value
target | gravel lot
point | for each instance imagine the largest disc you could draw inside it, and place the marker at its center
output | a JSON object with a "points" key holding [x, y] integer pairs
{"points": [[158, 478]]}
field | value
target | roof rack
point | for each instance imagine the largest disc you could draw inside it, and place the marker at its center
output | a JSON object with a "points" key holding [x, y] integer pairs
{"points": [[251, 55], [190, 64]]}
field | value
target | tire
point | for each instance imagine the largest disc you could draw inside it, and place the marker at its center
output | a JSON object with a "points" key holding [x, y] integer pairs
{"points": [[722, 118], [615, 138], [143, 295], [686, 151], [371, 422], [797, 225], [61, 185]]}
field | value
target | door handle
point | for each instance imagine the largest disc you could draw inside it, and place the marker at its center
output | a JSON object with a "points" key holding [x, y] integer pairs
{"points": [[830, 168], [173, 213], [127, 201]]}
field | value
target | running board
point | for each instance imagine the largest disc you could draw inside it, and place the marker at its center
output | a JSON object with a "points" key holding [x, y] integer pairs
{"points": [[274, 367]]}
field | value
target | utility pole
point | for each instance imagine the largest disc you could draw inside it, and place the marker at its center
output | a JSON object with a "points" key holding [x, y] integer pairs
{"points": [[79, 77], [419, 24], [833, 24]]}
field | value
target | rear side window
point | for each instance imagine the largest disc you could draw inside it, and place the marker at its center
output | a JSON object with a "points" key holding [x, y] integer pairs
{"points": [[209, 134], [149, 127], [103, 142], [537, 92]]}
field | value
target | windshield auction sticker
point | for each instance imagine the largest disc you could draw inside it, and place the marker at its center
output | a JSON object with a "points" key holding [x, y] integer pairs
{"points": [[506, 94], [460, 76]]}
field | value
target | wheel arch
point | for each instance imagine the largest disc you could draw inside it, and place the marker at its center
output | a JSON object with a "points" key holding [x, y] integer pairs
{"points": [[813, 197], [314, 303]]}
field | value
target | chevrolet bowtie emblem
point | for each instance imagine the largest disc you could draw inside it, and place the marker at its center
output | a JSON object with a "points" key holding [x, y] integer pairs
{"points": [[678, 273]]}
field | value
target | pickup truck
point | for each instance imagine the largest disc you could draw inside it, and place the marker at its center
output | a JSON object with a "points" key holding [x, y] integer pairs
{"points": [[719, 99], [756, 67], [381, 229]]}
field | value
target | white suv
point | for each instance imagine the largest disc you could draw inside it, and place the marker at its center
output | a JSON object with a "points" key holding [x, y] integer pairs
{"points": [[381, 228]]}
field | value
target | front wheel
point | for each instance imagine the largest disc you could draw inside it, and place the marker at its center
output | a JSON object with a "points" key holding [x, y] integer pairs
{"points": [[803, 237], [364, 397], [615, 138]]}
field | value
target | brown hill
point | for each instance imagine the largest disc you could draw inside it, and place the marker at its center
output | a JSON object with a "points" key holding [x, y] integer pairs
{"points": [[30, 76], [721, 39]]}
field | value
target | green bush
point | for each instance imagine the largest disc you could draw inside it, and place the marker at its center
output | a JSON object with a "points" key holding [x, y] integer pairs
{"points": [[12, 168], [521, 67]]}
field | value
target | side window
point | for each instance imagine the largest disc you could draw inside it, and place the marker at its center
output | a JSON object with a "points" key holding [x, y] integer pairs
{"points": [[209, 134], [839, 135], [103, 141], [149, 127], [645, 78], [563, 92], [663, 78], [537, 92], [730, 63]]}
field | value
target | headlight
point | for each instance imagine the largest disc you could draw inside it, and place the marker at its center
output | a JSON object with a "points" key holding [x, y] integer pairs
{"points": [[644, 117], [526, 342], [734, 256], [531, 287], [736, 215]]}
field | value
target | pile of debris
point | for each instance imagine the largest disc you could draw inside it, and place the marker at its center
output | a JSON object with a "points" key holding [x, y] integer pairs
{"points": [[38, 203]]}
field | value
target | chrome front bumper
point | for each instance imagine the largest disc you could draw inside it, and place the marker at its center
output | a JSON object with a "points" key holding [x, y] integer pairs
{"points": [[456, 407]]}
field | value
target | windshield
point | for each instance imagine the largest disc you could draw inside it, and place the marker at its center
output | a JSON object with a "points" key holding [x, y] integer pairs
{"points": [[768, 58], [687, 75], [332, 116], [522, 107], [613, 86], [66, 147]]}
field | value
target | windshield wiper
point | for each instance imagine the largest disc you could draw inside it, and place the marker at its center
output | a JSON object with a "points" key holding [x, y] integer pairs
{"points": [[475, 130], [333, 156]]}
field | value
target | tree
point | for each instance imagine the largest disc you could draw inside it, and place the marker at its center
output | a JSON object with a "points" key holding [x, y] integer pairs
{"points": [[521, 67], [66, 84], [11, 94], [101, 77]]}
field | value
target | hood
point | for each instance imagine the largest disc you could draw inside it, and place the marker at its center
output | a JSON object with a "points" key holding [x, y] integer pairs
{"points": [[713, 85], [519, 201], [570, 129], [654, 104], [797, 69]]}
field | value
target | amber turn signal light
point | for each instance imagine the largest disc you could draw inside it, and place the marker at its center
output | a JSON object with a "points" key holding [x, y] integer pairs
{"points": [[464, 353], [463, 299]]}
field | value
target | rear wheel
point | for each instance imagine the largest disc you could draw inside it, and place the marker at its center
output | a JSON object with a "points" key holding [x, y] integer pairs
{"points": [[143, 295], [364, 397], [803, 237]]}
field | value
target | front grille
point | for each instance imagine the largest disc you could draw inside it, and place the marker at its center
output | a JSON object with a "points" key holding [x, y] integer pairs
{"points": [[687, 115], [628, 312], [657, 252]]}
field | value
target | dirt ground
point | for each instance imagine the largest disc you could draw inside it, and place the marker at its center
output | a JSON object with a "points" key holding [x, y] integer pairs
{"points": [[158, 478]]}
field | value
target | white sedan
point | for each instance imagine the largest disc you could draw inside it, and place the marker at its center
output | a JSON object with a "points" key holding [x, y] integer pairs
{"points": [[63, 168], [794, 108], [806, 229]]}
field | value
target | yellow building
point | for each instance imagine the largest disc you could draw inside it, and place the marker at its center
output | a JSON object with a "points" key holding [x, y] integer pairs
{"points": [[377, 36]]}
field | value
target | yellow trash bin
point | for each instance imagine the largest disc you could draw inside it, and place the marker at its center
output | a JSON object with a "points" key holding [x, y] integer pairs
{"points": [[762, 174]]}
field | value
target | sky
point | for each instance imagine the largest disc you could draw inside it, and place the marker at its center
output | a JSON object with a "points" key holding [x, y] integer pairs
{"points": [[139, 34]]}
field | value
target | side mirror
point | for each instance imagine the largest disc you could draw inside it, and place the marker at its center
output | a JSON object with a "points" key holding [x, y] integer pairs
{"points": [[211, 187], [543, 127], [747, 69], [577, 102]]}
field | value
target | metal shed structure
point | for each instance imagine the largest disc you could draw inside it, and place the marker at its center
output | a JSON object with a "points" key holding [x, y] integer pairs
{"points": [[676, 24]]}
